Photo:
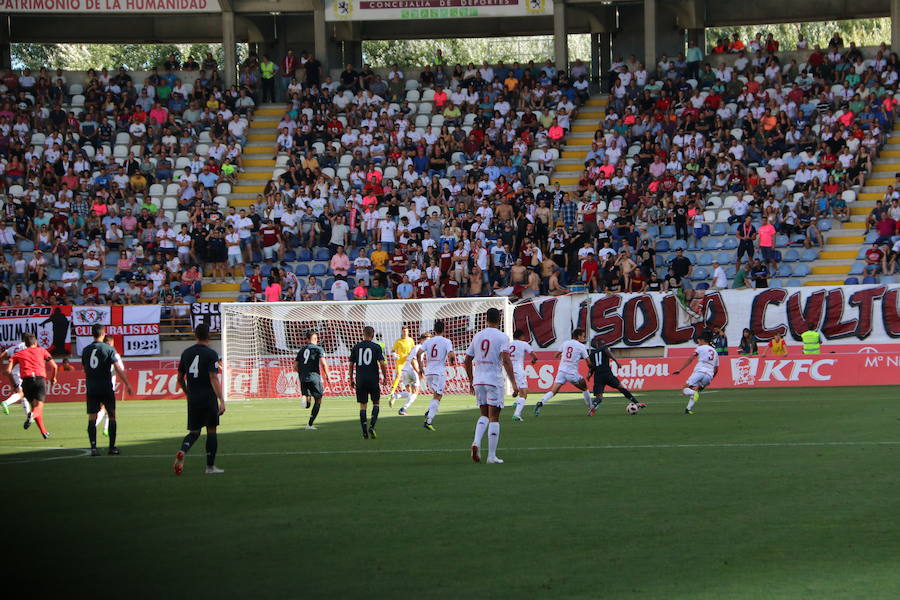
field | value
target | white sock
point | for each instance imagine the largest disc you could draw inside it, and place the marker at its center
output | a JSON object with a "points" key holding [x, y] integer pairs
{"points": [[493, 439], [480, 425], [587, 398], [547, 397], [688, 392], [16, 396], [100, 416], [520, 404], [26, 406], [692, 401], [412, 398], [433, 410]]}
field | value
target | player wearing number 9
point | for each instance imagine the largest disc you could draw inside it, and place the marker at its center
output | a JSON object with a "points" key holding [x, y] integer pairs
{"points": [[198, 376]]}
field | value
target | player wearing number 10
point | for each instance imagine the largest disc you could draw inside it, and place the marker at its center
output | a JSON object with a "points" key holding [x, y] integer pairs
{"points": [[366, 359], [100, 360], [198, 376]]}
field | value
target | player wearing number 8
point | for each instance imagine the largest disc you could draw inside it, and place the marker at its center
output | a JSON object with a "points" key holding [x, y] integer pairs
{"points": [[366, 359], [570, 354], [100, 360], [198, 376]]}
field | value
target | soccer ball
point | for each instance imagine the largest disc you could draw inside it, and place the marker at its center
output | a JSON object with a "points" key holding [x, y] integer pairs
{"points": [[632, 409]]}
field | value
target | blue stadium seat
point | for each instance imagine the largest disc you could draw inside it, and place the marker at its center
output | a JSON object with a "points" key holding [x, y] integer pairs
{"points": [[354, 253], [257, 256], [319, 269], [825, 225], [871, 237], [266, 270], [851, 281], [724, 258], [888, 279], [679, 244], [781, 241], [730, 244], [732, 228], [304, 254], [103, 287], [667, 231], [290, 256], [801, 270], [328, 283], [188, 299], [712, 243], [809, 255], [719, 229], [776, 283], [791, 255], [108, 273], [245, 287], [112, 258], [243, 298], [784, 270], [54, 274], [704, 259], [703, 286], [322, 254], [302, 270], [700, 274], [868, 280], [729, 271], [663, 246], [653, 231], [858, 268], [794, 283], [25, 245]]}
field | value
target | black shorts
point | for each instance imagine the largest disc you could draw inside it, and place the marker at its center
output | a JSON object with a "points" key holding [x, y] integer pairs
{"points": [[34, 388], [602, 380], [202, 412], [366, 389], [105, 397], [312, 387]]}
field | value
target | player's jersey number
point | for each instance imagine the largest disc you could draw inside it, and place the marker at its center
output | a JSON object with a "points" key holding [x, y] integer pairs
{"points": [[569, 353], [364, 358], [485, 347], [194, 369], [94, 361]]}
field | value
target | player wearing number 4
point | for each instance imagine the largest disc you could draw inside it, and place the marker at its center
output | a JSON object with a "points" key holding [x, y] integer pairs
{"points": [[488, 366], [198, 376], [570, 354], [438, 352], [100, 360], [366, 359], [518, 349], [704, 371], [311, 366]]}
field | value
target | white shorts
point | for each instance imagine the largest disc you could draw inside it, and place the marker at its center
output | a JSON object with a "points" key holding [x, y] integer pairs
{"points": [[699, 379], [563, 377], [521, 380], [437, 382], [409, 377], [490, 395]]}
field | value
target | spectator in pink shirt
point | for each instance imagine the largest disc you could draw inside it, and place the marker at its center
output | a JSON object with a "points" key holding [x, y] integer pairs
{"points": [[766, 237], [158, 114], [340, 262], [273, 290]]}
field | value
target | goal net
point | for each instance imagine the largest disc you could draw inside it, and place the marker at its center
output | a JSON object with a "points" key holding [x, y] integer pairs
{"points": [[260, 341]]}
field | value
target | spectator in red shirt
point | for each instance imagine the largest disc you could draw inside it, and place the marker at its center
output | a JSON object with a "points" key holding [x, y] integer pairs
{"points": [[589, 268], [886, 227], [255, 281], [34, 363], [874, 255]]}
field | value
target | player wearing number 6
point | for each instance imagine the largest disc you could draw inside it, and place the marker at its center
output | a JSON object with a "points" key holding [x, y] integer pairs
{"points": [[198, 376], [571, 353], [438, 352], [366, 359], [488, 366], [704, 371], [100, 360]]}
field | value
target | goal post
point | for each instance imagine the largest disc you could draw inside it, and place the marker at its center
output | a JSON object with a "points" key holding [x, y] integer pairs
{"points": [[260, 340]]}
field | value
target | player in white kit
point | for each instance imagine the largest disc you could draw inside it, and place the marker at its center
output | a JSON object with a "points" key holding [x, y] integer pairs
{"points": [[704, 371], [487, 360], [519, 349], [438, 352], [570, 354], [16, 381], [412, 374]]}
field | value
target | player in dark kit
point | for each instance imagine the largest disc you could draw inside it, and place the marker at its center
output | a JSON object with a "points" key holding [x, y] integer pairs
{"points": [[99, 360], [311, 367], [198, 376], [599, 358], [366, 360]]}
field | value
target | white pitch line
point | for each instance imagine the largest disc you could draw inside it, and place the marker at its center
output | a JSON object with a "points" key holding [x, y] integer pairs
{"points": [[85, 452]]}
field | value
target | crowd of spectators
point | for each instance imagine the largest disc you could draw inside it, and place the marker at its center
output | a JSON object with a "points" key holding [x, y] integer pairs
{"points": [[438, 183]]}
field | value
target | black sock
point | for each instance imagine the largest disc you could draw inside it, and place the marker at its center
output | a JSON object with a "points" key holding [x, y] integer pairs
{"points": [[362, 421], [375, 410], [189, 440], [628, 395], [112, 433], [212, 444], [315, 412], [92, 433]]}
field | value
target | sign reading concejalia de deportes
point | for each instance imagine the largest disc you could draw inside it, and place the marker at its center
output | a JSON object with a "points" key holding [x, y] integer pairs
{"points": [[390, 10], [92, 7]]}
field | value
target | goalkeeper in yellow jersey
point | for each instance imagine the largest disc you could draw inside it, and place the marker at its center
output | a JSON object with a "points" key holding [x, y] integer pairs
{"points": [[402, 348]]}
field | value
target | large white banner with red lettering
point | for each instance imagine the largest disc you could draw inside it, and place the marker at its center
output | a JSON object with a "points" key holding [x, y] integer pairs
{"points": [[856, 314], [134, 329], [50, 324]]}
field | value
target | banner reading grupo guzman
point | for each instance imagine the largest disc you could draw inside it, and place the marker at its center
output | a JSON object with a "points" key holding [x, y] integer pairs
{"points": [[50, 324], [390, 10], [842, 314], [109, 7]]}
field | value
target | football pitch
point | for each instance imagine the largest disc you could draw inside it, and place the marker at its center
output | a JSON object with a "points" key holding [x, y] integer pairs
{"points": [[760, 494]]}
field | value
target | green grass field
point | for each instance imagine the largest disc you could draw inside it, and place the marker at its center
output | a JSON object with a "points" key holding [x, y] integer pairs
{"points": [[760, 494]]}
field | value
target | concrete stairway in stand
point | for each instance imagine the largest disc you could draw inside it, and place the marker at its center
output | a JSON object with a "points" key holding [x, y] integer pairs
{"points": [[570, 164]]}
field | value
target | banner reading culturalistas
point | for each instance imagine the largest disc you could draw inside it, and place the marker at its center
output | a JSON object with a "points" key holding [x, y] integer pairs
{"points": [[134, 328], [852, 314], [390, 10], [95, 7]]}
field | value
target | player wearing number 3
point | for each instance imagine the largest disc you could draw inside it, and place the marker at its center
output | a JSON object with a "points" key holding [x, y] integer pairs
{"points": [[571, 353], [438, 352], [488, 366], [704, 371]]}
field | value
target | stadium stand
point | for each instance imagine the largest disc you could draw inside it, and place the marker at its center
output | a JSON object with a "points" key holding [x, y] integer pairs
{"points": [[507, 179]]}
